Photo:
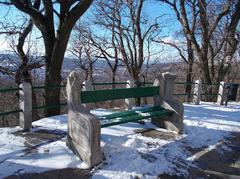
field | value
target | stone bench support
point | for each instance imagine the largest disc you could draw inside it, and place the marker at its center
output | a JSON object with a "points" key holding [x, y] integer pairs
{"points": [[83, 127], [167, 101]]}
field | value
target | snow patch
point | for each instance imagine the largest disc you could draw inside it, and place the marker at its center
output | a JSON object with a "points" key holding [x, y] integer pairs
{"points": [[128, 154]]}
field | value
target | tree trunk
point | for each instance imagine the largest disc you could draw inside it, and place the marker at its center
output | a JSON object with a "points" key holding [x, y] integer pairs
{"points": [[189, 70], [137, 85], [54, 63], [91, 72], [207, 82], [52, 94], [189, 82], [231, 43], [113, 79]]}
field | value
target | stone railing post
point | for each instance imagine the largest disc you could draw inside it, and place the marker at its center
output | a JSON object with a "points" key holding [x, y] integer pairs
{"points": [[129, 102], [197, 92], [25, 104], [238, 93], [87, 86], [168, 79], [221, 93], [167, 101]]}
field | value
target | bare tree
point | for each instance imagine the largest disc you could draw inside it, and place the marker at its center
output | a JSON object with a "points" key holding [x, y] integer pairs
{"points": [[46, 15], [129, 30], [108, 50], [83, 50], [231, 43], [206, 17], [186, 53], [26, 63]]}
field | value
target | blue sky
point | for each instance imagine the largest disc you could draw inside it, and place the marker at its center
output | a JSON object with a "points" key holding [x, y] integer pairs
{"points": [[152, 9]]}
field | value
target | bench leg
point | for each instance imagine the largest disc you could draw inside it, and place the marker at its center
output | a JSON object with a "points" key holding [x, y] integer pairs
{"points": [[84, 139], [167, 101], [175, 121]]}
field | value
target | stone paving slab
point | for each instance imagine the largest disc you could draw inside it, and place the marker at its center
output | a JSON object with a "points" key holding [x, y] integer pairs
{"points": [[67, 173]]}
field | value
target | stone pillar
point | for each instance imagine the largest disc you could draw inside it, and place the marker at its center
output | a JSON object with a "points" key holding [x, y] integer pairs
{"points": [[197, 92], [238, 94], [25, 102], [87, 86], [221, 93], [84, 129], [129, 102], [167, 101]]}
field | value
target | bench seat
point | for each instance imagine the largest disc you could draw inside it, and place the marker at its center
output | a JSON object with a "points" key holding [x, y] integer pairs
{"points": [[132, 115]]}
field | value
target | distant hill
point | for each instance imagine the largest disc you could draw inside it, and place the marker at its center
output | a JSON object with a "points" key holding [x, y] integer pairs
{"points": [[101, 68]]}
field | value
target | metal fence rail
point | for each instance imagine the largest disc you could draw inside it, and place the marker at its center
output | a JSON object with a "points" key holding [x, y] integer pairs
{"points": [[49, 106], [48, 86], [185, 83], [4, 90], [116, 83], [40, 87], [7, 90], [10, 112]]}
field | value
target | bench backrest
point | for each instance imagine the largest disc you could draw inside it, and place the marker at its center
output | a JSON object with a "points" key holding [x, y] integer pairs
{"points": [[113, 94]]}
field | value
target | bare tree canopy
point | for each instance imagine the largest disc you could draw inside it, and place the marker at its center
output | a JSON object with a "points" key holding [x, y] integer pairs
{"points": [[55, 20], [129, 31], [210, 26]]}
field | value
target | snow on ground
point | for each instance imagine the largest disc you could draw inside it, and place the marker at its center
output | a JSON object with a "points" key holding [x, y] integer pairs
{"points": [[127, 154]]}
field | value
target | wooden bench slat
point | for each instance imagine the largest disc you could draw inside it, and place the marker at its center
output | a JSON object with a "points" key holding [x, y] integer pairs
{"points": [[128, 113], [113, 94], [135, 117]]}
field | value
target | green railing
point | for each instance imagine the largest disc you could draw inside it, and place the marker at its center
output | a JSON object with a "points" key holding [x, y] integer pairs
{"points": [[210, 94], [39, 87], [49, 106], [184, 94], [7, 90], [48, 86], [213, 84], [116, 83], [185, 83], [10, 112]]}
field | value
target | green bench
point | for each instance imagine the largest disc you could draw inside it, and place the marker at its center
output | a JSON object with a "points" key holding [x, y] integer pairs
{"points": [[84, 129], [125, 116]]}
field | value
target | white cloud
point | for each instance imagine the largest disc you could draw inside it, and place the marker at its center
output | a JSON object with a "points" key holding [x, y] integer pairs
{"points": [[171, 39]]}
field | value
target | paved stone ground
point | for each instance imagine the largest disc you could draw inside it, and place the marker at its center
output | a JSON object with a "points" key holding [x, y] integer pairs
{"points": [[42, 137], [217, 163], [67, 173]]}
